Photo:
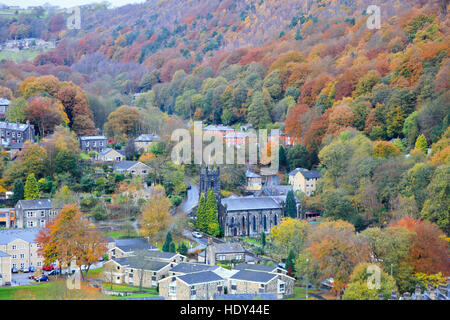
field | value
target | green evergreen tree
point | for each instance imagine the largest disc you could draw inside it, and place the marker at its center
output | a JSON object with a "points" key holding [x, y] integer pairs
{"points": [[291, 207], [421, 144], [31, 188], [166, 245], [172, 247], [298, 35], [200, 222], [290, 262], [18, 191], [282, 157], [211, 221], [263, 239], [183, 249]]}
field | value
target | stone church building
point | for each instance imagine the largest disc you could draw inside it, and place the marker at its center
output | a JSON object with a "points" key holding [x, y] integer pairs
{"points": [[242, 216]]}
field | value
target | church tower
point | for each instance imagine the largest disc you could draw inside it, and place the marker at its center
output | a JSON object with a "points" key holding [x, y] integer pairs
{"points": [[210, 179]]}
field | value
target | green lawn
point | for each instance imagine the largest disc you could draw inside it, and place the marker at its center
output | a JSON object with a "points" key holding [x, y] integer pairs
{"points": [[40, 291], [27, 54], [95, 273], [300, 293], [128, 288]]}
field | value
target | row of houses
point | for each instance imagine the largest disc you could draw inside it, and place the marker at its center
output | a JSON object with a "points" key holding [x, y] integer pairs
{"points": [[99, 144], [233, 137], [29, 214], [178, 279]]}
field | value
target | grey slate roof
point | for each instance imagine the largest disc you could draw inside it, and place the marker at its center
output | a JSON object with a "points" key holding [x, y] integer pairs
{"points": [[255, 276], [3, 254], [229, 248], [132, 244], [36, 204], [255, 267], [106, 151], [151, 265], [200, 277], [250, 203], [87, 138], [14, 125], [161, 254], [4, 102], [29, 235], [185, 267], [308, 174], [251, 174], [126, 165], [147, 138], [219, 127]]}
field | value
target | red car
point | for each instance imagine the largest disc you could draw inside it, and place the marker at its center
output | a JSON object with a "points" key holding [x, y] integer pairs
{"points": [[48, 268]]}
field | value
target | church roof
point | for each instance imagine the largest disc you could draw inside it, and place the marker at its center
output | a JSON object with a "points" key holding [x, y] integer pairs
{"points": [[251, 203]]}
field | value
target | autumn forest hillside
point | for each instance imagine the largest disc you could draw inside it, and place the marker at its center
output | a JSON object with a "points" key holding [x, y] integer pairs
{"points": [[367, 107]]}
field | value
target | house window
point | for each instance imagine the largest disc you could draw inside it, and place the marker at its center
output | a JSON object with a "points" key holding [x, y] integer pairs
{"points": [[30, 223], [221, 257], [193, 292], [14, 256], [22, 256], [14, 247], [281, 287], [172, 290], [39, 264]]}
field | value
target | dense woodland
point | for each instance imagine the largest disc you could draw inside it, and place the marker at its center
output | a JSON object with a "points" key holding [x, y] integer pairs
{"points": [[368, 108]]}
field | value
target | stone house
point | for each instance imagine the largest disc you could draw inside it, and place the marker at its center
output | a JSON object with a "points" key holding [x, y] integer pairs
{"points": [[4, 104], [192, 286], [16, 133], [5, 268], [35, 213], [224, 253], [93, 143], [111, 155], [253, 282], [304, 180], [145, 141], [132, 167], [21, 245], [123, 248], [128, 270], [254, 181]]}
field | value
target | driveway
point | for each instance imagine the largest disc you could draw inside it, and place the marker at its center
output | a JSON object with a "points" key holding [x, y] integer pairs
{"points": [[21, 279]]}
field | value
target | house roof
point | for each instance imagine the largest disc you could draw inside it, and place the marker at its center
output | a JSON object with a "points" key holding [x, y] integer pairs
{"points": [[255, 267], [254, 276], [200, 277], [147, 138], [161, 254], [308, 174], [9, 235], [106, 151], [3, 254], [37, 204], [126, 165], [4, 102], [219, 127], [185, 267], [14, 125], [277, 190], [86, 138], [152, 265], [251, 174], [229, 248], [132, 244], [250, 203]]}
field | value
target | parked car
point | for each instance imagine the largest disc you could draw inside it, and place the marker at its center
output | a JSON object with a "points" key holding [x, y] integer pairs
{"points": [[41, 278], [32, 277], [7, 284], [24, 270], [54, 272], [196, 234], [14, 270], [48, 268], [32, 269]]}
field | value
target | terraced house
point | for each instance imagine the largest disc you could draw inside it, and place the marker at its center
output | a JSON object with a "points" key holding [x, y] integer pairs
{"points": [[93, 143], [192, 286], [35, 213], [123, 248], [13, 133], [5, 268], [131, 270], [22, 247]]}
